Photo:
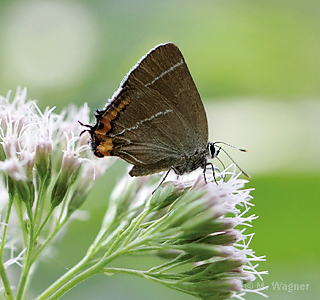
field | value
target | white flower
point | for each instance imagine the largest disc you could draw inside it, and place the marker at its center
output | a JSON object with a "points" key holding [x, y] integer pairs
{"points": [[14, 168]]}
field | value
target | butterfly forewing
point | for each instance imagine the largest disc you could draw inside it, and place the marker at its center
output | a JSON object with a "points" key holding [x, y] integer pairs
{"points": [[164, 69]]}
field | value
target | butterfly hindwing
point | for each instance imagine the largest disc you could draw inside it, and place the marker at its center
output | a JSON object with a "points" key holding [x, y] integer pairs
{"points": [[156, 119]]}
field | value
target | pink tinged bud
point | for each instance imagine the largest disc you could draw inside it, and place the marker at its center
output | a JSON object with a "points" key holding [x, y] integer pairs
{"points": [[70, 162], [67, 175], [43, 159], [228, 237], [224, 224], [226, 265], [235, 285], [216, 225], [203, 218], [10, 147], [80, 194], [214, 289], [44, 147], [248, 277], [28, 160], [216, 267], [205, 251], [188, 210]]}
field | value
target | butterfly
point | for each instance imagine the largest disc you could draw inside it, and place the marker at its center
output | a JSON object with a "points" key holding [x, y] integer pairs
{"points": [[156, 120]]}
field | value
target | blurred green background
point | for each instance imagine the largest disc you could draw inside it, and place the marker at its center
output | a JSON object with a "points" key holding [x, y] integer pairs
{"points": [[257, 68]]}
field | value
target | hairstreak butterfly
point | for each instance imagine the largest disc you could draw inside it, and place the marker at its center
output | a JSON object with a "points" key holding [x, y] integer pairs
{"points": [[155, 120]]}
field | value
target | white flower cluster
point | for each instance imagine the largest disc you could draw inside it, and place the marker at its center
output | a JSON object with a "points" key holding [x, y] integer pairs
{"points": [[43, 161]]}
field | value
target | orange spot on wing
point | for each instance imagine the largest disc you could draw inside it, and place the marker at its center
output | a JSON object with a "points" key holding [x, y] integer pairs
{"points": [[105, 147], [110, 114], [106, 126]]}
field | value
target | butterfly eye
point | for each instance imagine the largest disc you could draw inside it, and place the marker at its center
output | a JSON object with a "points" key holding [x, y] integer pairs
{"points": [[213, 150]]}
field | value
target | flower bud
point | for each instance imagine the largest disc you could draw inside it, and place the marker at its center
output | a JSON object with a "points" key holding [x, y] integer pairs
{"points": [[43, 162], [60, 189], [217, 289], [203, 218], [212, 226], [165, 195], [205, 251], [69, 171], [80, 193], [228, 237]]}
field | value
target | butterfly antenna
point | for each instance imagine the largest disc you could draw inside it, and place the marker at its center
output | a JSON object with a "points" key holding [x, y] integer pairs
{"points": [[221, 161], [243, 150]]}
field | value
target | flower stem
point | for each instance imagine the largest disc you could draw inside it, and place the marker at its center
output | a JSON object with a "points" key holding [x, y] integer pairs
{"points": [[40, 204], [48, 239], [27, 259], [20, 213], [44, 222], [131, 230], [3, 274], [76, 275]]}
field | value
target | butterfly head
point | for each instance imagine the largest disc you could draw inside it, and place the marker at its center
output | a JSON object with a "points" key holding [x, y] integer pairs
{"points": [[214, 150]]}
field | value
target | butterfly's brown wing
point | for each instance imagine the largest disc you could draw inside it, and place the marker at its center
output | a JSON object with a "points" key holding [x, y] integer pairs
{"points": [[156, 119]]}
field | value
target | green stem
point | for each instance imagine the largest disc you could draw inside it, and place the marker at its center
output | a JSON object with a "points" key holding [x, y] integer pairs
{"points": [[40, 204], [19, 209], [171, 264], [156, 226], [131, 230], [3, 274], [48, 239], [44, 222], [73, 276], [63, 205], [27, 260], [86, 268], [104, 243]]}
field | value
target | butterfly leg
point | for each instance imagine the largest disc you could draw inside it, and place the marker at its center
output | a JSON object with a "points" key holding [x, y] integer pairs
{"points": [[163, 179], [214, 168]]}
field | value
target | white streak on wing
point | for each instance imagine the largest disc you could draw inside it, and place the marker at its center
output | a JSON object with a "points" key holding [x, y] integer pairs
{"points": [[136, 126], [166, 72], [133, 157]]}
